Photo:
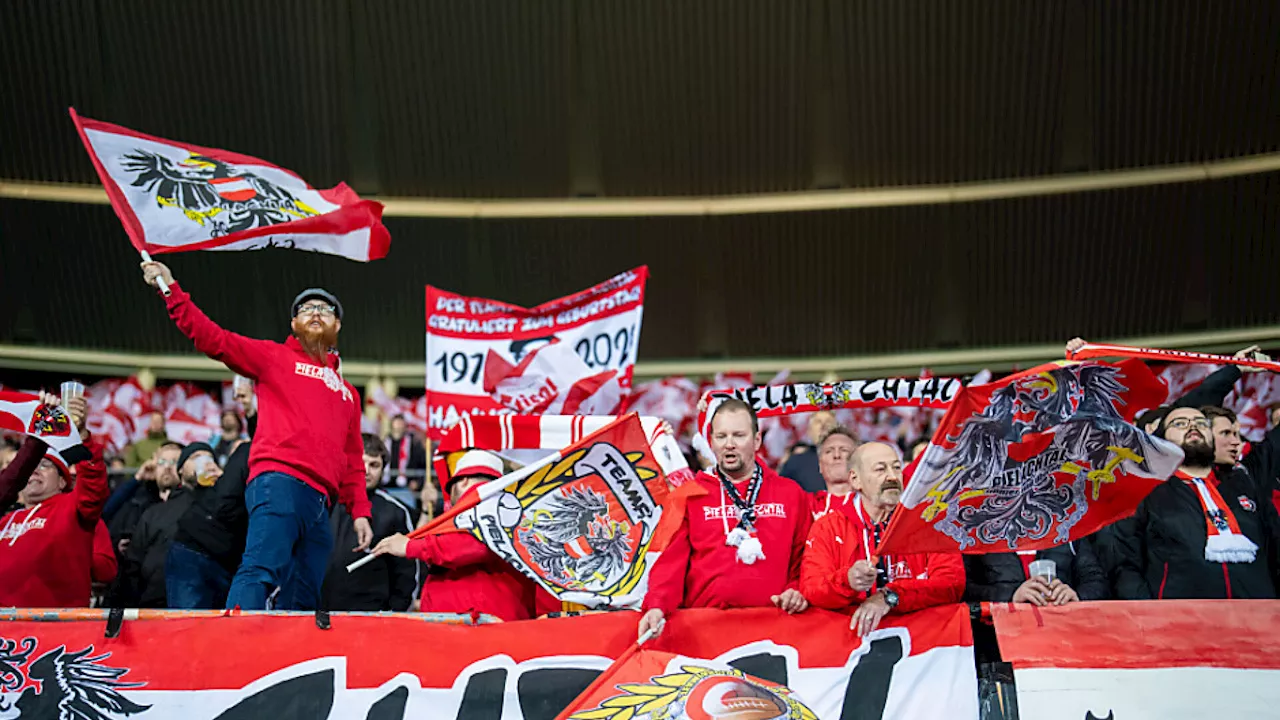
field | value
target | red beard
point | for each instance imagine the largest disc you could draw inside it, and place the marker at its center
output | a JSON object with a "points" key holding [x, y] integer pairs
{"points": [[317, 343]]}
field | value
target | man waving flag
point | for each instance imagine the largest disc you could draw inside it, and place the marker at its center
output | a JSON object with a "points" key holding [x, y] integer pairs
{"points": [[173, 197]]}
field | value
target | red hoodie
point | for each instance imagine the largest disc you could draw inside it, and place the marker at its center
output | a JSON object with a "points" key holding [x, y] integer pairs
{"points": [[46, 551], [475, 579], [699, 570], [837, 541], [308, 416]]}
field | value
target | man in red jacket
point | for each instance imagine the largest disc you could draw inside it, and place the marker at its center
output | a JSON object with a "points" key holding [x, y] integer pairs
{"points": [[840, 569], [464, 575], [738, 545], [47, 547], [833, 460], [307, 451]]}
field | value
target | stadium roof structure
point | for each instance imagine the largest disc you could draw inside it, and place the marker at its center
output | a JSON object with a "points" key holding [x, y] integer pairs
{"points": [[819, 182]]}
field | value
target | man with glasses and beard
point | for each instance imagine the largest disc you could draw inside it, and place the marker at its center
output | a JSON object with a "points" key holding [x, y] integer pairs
{"points": [[307, 452], [1201, 534]]}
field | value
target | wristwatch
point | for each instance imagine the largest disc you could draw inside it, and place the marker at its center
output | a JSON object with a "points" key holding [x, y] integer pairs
{"points": [[890, 598]]}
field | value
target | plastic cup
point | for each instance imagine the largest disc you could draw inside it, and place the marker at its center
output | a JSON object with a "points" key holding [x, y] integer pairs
{"points": [[71, 389], [205, 471], [1046, 570]]}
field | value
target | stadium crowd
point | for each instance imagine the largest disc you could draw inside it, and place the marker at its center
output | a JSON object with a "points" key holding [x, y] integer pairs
{"points": [[269, 513]]}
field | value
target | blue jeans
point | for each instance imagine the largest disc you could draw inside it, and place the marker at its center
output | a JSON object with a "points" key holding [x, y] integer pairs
{"points": [[193, 580], [288, 545]]}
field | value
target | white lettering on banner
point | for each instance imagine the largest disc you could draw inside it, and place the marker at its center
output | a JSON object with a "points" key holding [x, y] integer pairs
{"points": [[591, 309], [729, 512], [471, 325], [451, 304]]}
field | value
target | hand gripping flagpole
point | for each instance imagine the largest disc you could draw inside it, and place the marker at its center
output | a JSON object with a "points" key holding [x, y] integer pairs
{"points": [[502, 482], [160, 283]]}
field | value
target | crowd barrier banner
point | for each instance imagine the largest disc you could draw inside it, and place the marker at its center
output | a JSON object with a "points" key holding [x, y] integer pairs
{"points": [[587, 341], [915, 667], [1165, 660]]}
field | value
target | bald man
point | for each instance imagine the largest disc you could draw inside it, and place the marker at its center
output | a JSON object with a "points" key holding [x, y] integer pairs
{"points": [[840, 570]]}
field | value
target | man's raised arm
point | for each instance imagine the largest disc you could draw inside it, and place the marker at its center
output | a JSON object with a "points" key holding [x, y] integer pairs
{"points": [[242, 355]]}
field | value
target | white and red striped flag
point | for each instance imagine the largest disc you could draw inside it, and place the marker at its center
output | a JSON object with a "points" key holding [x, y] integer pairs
{"points": [[173, 197]]}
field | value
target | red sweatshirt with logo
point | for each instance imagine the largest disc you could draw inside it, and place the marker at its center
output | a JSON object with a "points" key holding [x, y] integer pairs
{"points": [[308, 416], [47, 550], [699, 570]]}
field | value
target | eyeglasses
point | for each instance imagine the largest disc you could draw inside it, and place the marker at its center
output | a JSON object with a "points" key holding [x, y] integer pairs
{"points": [[1184, 423], [321, 309], [46, 465], [167, 463]]}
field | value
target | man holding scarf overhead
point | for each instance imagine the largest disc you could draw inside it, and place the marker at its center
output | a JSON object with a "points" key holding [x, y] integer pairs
{"points": [[306, 454], [1201, 534], [740, 543]]}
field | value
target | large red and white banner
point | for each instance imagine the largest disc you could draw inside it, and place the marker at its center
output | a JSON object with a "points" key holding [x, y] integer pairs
{"points": [[572, 356], [915, 667], [1161, 660], [173, 196]]}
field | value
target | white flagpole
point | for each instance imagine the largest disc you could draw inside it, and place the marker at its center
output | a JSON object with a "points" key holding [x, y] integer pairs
{"points": [[502, 482], [164, 286]]}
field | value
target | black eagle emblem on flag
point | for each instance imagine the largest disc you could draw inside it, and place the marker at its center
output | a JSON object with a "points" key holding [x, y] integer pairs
{"points": [[213, 194]]}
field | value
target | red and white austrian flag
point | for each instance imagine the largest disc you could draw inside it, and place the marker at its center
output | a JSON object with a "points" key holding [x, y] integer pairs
{"points": [[173, 197], [572, 356]]}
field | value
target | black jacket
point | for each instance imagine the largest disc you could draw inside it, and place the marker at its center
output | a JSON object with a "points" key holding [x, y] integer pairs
{"points": [[803, 468], [218, 521], [995, 577], [122, 524], [142, 574], [387, 583], [1159, 551]]}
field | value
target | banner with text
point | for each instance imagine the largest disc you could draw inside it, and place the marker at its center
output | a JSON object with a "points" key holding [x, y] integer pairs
{"points": [[915, 667], [572, 356]]}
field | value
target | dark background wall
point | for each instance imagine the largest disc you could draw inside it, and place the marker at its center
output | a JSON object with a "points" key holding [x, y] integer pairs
{"points": [[473, 98]]}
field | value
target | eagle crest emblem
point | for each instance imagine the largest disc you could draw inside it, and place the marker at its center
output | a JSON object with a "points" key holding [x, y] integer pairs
{"points": [[989, 490], [580, 526], [828, 396], [62, 684], [214, 194], [49, 421], [700, 693]]}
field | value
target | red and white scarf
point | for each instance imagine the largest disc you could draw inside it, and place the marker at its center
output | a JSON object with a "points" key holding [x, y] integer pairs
{"points": [[1225, 544]]}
